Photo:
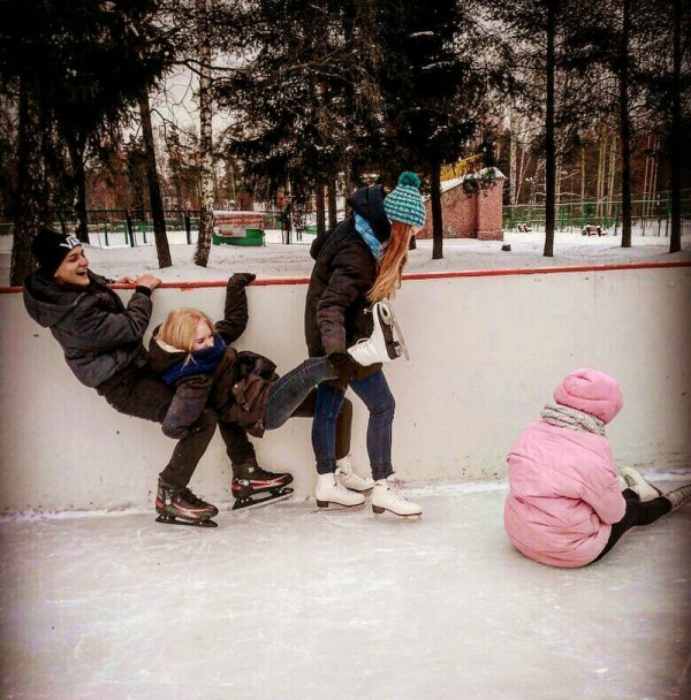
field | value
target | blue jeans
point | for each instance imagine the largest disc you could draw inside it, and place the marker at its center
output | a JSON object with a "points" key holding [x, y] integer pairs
{"points": [[288, 392], [376, 395]]}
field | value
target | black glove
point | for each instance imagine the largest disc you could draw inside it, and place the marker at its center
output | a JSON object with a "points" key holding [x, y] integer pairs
{"points": [[242, 279], [343, 365]]}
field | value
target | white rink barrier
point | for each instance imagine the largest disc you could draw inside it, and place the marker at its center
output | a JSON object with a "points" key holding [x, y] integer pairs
{"points": [[487, 349]]}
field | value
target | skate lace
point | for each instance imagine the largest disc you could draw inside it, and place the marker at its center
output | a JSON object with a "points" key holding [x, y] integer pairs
{"points": [[355, 477], [260, 474], [396, 494], [191, 498]]}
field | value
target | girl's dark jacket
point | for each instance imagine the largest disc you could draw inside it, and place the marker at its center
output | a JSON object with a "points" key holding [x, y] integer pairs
{"points": [[344, 272], [236, 389], [98, 334]]}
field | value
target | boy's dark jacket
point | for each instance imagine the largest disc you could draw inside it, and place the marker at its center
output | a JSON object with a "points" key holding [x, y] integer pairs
{"points": [[344, 272], [98, 334], [236, 389]]}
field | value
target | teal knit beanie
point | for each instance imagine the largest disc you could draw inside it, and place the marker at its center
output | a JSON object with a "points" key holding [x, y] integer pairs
{"points": [[404, 203]]}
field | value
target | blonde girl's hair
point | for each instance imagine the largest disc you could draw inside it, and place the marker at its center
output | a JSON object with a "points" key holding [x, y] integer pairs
{"points": [[392, 263], [180, 328]]}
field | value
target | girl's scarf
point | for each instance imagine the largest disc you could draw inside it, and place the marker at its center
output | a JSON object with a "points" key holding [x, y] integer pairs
{"points": [[200, 362], [365, 230], [573, 419]]}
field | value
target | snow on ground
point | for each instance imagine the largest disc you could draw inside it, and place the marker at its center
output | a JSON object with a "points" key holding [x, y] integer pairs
{"points": [[276, 259], [292, 603]]}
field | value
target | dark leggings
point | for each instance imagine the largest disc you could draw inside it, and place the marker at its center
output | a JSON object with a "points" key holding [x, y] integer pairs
{"points": [[638, 513], [139, 392]]}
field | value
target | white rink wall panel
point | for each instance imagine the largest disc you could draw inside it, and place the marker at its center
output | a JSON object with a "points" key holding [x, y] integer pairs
{"points": [[486, 353]]}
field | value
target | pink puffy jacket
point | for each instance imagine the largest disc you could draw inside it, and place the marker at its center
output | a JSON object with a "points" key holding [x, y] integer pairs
{"points": [[564, 494]]}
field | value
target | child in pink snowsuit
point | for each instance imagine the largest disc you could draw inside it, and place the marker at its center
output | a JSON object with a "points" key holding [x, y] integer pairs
{"points": [[565, 506]]}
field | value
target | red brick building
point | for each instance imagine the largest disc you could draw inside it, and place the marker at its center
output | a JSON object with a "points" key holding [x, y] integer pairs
{"points": [[469, 211]]}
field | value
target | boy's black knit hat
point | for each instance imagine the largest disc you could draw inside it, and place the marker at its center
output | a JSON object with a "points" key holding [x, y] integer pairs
{"points": [[50, 249]]}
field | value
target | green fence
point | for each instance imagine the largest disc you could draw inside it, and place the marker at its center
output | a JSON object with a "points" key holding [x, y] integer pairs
{"points": [[651, 216]]}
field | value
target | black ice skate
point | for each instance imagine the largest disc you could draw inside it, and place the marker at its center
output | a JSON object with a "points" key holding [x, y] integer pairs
{"points": [[260, 488], [386, 342], [181, 507]]}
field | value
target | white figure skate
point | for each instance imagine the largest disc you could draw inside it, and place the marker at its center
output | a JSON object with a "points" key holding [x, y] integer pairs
{"points": [[347, 477], [386, 343], [387, 497], [330, 493]]}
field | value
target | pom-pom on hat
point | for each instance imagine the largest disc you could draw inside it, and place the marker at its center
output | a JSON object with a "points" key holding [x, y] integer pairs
{"points": [[51, 248], [404, 203], [592, 392]]}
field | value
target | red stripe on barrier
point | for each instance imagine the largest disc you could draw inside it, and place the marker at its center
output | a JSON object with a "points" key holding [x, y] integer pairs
{"points": [[277, 281]]}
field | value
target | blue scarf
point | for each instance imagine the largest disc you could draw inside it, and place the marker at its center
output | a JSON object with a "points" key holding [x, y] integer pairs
{"points": [[365, 230], [201, 362]]}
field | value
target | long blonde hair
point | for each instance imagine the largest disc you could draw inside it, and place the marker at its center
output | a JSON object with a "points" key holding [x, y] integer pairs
{"points": [[392, 263], [180, 328]]}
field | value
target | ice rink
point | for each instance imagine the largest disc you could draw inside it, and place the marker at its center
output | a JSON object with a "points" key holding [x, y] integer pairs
{"points": [[292, 603]]}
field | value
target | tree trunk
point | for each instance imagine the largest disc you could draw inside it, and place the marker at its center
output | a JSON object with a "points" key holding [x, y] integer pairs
{"points": [[31, 212], [321, 213], [206, 209], [76, 149], [676, 135], [582, 175], [156, 202], [612, 172], [333, 213], [513, 185], [550, 150], [437, 223], [599, 188], [625, 128]]}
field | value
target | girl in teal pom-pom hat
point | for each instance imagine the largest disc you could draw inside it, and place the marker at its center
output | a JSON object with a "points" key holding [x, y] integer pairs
{"points": [[357, 263]]}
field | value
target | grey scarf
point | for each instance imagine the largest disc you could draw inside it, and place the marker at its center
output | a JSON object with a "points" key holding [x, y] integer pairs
{"points": [[573, 419]]}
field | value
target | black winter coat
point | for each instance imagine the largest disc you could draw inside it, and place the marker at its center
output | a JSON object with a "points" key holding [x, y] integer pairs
{"points": [[98, 334], [344, 272], [236, 389]]}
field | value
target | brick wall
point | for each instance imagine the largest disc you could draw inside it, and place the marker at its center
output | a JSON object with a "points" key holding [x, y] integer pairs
{"points": [[469, 216]]}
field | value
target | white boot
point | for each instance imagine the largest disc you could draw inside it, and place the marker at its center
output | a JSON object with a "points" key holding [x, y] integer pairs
{"points": [[386, 497], [330, 492], [679, 497], [349, 479], [635, 481]]}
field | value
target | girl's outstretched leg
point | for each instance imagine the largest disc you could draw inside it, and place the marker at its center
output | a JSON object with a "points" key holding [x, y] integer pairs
{"points": [[637, 513], [287, 393]]}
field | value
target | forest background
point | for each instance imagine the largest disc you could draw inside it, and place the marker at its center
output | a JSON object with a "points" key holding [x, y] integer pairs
{"points": [[152, 106]]}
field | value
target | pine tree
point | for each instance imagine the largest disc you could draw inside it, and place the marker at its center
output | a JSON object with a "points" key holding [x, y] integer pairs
{"points": [[433, 87], [79, 64]]}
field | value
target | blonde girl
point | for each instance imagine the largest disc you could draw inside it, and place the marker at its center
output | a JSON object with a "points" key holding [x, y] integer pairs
{"points": [[359, 262]]}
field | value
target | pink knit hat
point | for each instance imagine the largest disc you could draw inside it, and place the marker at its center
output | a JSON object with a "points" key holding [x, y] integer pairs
{"points": [[592, 392]]}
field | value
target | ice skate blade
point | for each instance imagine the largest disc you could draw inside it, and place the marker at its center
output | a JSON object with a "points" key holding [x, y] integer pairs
{"points": [[249, 503], [169, 520], [378, 510]]}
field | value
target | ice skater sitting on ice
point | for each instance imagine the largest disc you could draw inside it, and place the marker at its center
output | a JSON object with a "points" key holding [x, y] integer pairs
{"points": [[102, 342], [565, 505], [358, 263]]}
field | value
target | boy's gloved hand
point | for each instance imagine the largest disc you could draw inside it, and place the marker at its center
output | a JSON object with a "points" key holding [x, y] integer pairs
{"points": [[343, 365], [242, 279]]}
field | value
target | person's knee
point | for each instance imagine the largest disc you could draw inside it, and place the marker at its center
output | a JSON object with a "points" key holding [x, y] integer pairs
{"points": [[385, 407], [206, 422]]}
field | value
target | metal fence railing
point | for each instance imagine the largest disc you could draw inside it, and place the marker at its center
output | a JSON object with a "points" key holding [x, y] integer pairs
{"points": [[652, 217]]}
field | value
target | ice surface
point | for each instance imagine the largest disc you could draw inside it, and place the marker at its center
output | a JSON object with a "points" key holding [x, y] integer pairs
{"points": [[292, 603]]}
